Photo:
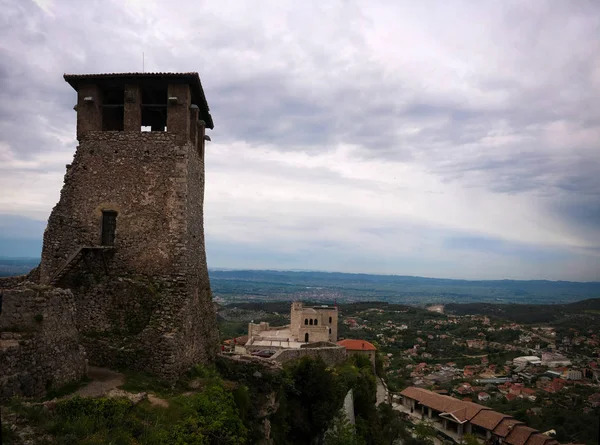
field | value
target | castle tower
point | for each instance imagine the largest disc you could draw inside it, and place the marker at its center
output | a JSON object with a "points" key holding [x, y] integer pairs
{"points": [[127, 235]]}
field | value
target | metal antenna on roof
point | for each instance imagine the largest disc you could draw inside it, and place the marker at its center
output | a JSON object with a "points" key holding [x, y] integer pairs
{"points": [[143, 62]]}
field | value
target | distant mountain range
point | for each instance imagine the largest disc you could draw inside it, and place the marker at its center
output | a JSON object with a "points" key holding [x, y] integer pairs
{"points": [[269, 285], [16, 266]]}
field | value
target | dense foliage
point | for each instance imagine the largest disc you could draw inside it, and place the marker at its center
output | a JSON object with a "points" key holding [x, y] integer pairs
{"points": [[209, 417], [571, 314]]}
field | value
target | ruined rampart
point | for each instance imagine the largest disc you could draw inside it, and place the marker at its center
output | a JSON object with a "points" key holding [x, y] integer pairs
{"points": [[39, 345], [330, 355]]}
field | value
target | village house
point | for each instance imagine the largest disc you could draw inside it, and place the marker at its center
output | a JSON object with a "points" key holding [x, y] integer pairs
{"points": [[359, 347], [454, 418]]}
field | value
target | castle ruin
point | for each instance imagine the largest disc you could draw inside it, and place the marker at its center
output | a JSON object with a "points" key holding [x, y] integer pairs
{"points": [[127, 236]]}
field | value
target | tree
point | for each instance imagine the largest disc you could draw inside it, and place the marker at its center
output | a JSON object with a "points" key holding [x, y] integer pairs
{"points": [[343, 433], [424, 433], [392, 426], [470, 439], [314, 396]]}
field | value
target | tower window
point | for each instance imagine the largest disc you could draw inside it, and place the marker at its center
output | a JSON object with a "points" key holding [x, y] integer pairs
{"points": [[310, 322], [329, 320], [306, 337], [113, 109], [306, 321], [316, 322], [109, 227], [154, 109]]}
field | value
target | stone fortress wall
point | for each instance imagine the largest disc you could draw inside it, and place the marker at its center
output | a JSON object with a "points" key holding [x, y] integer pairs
{"points": [[331, 355], [39, 342], [142, 300]]}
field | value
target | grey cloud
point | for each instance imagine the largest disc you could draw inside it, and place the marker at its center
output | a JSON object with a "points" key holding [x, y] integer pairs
{"points": [[311, 83]]}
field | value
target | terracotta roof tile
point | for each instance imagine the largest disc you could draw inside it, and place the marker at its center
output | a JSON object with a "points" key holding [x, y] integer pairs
{"points": [[505, 426], [459, 409], [519, 435], [357, 345], [488, 419], [539, 439]]}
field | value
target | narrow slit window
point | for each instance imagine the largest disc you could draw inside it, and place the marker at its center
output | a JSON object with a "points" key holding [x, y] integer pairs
{"points": [[109, 227]]}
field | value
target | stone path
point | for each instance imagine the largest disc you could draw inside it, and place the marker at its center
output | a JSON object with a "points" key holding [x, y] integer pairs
{"points": [[381, 392], [103, 380]]}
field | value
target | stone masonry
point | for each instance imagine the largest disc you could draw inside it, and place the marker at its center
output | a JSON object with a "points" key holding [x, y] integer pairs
{"points": [[127, 235], [39, 343]]}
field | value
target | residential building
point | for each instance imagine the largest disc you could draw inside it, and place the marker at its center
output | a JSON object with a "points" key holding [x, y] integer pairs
{"points": [[483, 397], [554, 360], [527, 360], [454, 418], [360, 347]]}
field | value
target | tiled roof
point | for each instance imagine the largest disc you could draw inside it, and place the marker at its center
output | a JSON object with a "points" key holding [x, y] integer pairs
{"points": [[459, 409], [539, 439], [242, 340], [488, 419], [357, 345], [505, 426], [514, 431], [191, 78], [131, 74], [519, 435]]}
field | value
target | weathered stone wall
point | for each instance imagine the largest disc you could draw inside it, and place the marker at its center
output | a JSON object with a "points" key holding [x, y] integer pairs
{"points": [[199, 325], [39, 344], [330, 355], [146, 303], [11, 282], [142, 176]]}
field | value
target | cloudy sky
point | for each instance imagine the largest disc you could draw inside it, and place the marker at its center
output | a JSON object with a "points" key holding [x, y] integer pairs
{"points": [[437, 138]]}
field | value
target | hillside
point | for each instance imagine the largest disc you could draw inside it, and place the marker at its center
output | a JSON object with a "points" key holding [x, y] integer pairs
{"points": [[578, 314], [269, 285], [16, 266], [264, 285]]}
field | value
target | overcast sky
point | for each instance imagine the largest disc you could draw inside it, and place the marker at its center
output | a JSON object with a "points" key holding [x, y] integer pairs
{"points": [[437, 138]]}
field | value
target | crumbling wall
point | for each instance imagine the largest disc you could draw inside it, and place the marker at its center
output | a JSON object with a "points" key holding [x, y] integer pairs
{"points": [[330, 355], [146, 303], [140, 175], [39, 344], [11, 282]]}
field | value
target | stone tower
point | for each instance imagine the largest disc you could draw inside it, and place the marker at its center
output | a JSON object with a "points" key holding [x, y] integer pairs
{"points": [[127, 235]]}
